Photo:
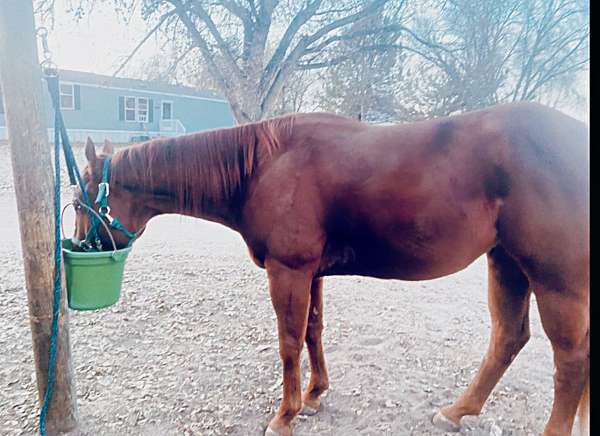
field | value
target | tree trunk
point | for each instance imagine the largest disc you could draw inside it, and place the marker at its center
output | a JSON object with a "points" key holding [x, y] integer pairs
{"points": [[21, 81]]}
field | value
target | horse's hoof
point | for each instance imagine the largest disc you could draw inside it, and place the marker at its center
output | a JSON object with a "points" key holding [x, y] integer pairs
{"points": [[308, 411], [270, 432], [444, 423]]}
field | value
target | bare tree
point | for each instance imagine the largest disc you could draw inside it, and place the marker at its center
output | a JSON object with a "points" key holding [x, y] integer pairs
{"points": [[296, 94], [474, 53], [190, 69], [251, 48], [450, 55], [553, 44], [363, 86]]}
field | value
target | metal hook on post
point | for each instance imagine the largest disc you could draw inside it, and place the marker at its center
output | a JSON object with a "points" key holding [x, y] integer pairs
{"points": [[48, 66]]}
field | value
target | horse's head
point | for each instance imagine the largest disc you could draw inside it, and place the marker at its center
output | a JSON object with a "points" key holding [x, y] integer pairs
{"points": [[122, 204]]}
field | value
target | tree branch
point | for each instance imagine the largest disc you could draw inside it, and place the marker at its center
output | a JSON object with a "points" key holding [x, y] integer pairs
{"points": [[201, 43], [266, 6], [297, 22], [237, 10], [148, 35], [548, 78], [325, 64], [350, 36], [221, 44], [333, 11], [273, 83], [368, 10], [179, 58], [544, 77], [579, 40]]}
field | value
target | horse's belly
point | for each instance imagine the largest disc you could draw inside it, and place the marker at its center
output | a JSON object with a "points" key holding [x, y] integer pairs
{"points": [[407, 253], [394, 264]]}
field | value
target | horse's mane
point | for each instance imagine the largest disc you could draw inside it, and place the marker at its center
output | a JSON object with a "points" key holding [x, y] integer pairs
{"points": [[200, 168]]}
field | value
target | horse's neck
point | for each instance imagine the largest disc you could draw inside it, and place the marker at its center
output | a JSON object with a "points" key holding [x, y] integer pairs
{"points": [[223, 212], [202, 175], [170, 198]]}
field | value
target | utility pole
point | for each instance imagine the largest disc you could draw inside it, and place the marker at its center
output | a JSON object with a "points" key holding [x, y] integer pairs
{"points": [[20, 77]]}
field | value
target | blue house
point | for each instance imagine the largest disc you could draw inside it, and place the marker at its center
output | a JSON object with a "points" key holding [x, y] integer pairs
{"points": [[125, 110]]}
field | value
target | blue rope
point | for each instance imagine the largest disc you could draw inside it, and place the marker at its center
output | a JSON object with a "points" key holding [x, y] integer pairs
{"points": [[57, 281], [60, 136], [73, 170]]}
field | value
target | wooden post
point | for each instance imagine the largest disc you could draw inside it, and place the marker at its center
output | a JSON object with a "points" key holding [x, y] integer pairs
{"points": [[21, 80]]}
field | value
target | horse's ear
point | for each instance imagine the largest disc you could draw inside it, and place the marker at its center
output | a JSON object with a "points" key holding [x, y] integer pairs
{"points": [[108, 147], [90, 150]]}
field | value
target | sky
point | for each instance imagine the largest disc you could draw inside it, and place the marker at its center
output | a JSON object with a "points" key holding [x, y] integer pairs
{"points": [[96, 43]]}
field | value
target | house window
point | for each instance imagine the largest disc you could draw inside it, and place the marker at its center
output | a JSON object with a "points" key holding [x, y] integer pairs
{"points": [[136, 109], [130, 109], [167, 110], [67, 96], [142, 109]]}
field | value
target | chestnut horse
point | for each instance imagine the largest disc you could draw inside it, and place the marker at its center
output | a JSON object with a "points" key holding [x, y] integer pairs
{"points": [[317, 194]]}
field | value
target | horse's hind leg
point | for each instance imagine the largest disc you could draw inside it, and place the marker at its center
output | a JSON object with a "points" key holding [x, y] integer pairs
{"points": [[565, 318], [311, 398], [508, 301]]}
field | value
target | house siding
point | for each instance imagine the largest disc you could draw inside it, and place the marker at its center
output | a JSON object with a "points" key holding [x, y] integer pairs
{"points": [[98, 113], [196, 117]]}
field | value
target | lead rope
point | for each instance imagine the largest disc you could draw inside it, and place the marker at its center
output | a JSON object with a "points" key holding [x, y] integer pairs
{"points": [[61, 136]]}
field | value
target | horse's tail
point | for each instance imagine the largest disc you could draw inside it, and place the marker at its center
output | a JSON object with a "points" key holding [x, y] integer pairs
{"points": [[583, 408]]}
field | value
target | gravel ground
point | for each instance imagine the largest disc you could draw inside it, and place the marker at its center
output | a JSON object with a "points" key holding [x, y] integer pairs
{"points": [[191, 348]]}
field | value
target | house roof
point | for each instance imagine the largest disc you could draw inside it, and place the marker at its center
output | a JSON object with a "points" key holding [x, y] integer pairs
{"points": [[142, 85]]}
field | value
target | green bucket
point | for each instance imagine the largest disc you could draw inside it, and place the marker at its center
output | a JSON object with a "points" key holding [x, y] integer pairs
{"points": [[93, 278]]}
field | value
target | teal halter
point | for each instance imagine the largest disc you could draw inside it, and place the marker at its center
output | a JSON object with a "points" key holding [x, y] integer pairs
{"points": [[104, 208], [92, 239]]}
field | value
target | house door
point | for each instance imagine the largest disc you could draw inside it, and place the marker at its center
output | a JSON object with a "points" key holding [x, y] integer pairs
{"points": [[167, 110], [166, 116]]}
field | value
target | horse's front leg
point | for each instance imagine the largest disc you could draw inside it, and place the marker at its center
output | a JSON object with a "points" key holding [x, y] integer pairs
{"points": [[319, 382], [290, 295]]}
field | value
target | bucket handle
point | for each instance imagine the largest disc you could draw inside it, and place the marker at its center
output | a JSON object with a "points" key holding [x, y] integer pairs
{"points": [[112, 240]]}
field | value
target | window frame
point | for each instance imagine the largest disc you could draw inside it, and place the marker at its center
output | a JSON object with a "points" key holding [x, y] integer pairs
{"points": [[72, 95], [127, 109], [136, 109]]}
